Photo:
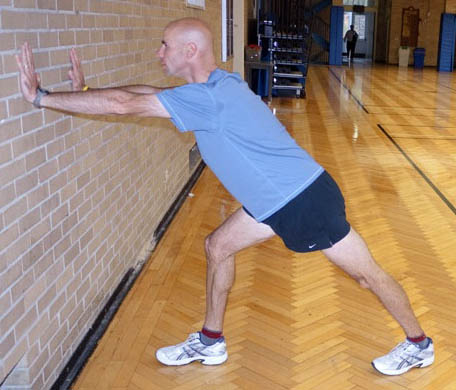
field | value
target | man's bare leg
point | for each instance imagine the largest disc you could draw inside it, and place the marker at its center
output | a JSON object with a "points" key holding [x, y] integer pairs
{"points": [[417, 351], [238, 232], [352, 255]]}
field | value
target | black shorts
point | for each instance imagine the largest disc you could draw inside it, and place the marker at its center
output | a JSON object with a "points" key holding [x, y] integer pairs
{"points": [[313, 220]]}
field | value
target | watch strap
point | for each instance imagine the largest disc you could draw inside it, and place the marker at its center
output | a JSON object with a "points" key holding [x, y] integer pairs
{"points": [[40, 92]]}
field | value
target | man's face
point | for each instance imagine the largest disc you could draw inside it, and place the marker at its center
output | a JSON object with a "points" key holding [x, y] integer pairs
{"points": [[171, 54]]}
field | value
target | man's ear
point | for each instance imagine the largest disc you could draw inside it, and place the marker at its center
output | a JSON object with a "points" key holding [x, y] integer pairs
{"points": [[190, 50]]}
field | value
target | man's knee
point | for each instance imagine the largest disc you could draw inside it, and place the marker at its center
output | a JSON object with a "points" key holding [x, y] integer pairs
{"points": [[372, 279], [214, 248], [363, 281]]}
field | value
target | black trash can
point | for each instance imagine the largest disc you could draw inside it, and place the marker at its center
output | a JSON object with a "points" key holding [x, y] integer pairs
{"points": [[418, 55]]}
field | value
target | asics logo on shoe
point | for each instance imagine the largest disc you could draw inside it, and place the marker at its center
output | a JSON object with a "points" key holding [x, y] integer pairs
{"points": [[406, 362]]}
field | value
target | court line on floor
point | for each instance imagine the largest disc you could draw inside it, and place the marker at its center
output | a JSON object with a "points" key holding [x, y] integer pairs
{"points": [[413, 108], [348, 90], [410, 114], [445, 138], [407, 157], [418, 169]]}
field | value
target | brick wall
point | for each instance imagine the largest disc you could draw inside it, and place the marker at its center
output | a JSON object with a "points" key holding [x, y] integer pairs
{"points": [[429, 28], [450, 6], [80, 197]]}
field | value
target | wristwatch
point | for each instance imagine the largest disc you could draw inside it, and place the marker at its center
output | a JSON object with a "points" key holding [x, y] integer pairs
{"points": [[40, 92]]}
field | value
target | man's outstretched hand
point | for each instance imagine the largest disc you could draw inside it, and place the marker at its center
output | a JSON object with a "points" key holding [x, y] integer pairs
{"points": [[29, 79], [75, 73]]}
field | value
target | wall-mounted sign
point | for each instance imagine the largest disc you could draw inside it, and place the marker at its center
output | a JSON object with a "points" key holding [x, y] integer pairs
{"points": [[410, 25], [196, 3]]}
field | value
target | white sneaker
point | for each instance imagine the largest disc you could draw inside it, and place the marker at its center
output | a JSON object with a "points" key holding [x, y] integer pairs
{"points": [[403, 357], [193, 349]]}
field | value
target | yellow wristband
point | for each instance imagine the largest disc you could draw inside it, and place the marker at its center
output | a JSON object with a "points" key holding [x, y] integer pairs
{"points": [[86, 88]]}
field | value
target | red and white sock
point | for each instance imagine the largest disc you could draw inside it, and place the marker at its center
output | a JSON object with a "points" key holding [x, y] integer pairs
{"points": [[210, 337], [422, 341]]}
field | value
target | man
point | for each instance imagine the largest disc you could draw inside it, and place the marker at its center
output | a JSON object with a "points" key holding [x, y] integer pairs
{"points": [[282, 189], [351, 36]]}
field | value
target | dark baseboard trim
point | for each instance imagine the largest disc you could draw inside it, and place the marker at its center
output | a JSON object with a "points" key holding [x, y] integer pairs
{"points": [[88, 344], [96, 331]]}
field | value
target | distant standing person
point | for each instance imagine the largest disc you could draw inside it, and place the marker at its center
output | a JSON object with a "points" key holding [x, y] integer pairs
{"points": [[351, 36]]}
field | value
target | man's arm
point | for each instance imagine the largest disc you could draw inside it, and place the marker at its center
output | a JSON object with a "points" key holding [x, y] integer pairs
{"points": [[96, 102], [76, 75], [106, 102], [140, 88]]}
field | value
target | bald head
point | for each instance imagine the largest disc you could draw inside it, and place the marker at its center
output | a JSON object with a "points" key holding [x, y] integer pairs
{"points": [[192, 30], [186, 50]]}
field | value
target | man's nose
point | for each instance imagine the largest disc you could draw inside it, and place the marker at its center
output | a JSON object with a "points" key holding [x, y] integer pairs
{"points": [[159, 52]]}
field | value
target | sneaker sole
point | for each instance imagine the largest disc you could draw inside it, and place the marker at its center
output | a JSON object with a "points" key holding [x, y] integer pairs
{"points": [[207, 361], [421, 364]]}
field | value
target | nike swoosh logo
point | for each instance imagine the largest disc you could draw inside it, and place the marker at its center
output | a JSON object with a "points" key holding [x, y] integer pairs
{"points": [[311, 246]]}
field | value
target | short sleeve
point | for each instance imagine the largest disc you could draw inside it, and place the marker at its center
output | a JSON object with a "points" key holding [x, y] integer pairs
{"points": [[191, 106]]}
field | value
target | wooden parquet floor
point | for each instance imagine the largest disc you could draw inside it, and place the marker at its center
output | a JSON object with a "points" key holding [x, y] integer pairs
{"points": [[294, 321]]}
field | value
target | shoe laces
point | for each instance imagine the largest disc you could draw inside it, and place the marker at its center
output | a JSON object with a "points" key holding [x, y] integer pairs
{"points": [[193, 339], [402, 348]]}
